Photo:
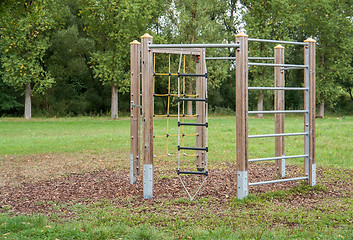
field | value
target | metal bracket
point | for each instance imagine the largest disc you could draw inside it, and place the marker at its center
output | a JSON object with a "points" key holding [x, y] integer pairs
{"points": [[147, 181], [134, 105], [242, 184], [132, 176], [313, 175], [283, 168]]}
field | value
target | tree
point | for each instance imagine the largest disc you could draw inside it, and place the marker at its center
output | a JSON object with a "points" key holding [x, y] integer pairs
{"points": [[192, 21], [113, 25], [24, 41], [273, 19], [68, 64], [8, 101], [330, 23]]}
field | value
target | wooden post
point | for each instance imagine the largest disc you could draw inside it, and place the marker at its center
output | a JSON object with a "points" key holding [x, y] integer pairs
{"points": [[135, 49], [279, 106], [200, 111], [310, 61], [147, 114], [242, 114]]}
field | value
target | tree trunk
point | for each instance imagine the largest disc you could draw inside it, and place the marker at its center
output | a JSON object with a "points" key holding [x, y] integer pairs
{"points": [[322, 110], [260, 104], [114, 105], [28, 104]]}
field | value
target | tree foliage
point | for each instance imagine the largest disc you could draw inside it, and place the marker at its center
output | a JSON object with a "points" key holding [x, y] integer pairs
{"points": [[73, 52]]}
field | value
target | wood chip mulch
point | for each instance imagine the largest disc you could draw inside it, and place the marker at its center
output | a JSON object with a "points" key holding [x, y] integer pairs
{"points": [[221, 185]]}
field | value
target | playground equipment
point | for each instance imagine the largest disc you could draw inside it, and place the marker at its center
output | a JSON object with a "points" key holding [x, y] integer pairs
{"points": [[142, 57]]}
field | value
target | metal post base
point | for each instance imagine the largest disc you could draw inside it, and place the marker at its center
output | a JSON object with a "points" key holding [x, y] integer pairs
{"points": [[242, 184], [147, 181], [283, 168], [313, 175], [306, 165], [132, 176]]}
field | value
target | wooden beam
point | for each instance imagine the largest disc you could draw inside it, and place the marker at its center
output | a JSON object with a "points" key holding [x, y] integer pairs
{"points": [[279, 105], [147, 114], [200, 111], [312, 74], [135, 49], [242, 114]]}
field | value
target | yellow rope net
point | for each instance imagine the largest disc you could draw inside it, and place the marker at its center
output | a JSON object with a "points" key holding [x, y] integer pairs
{"points": [[169, 95]]}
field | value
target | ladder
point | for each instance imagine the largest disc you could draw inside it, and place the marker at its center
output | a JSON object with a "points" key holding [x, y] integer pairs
{"points": [[200, 126]]}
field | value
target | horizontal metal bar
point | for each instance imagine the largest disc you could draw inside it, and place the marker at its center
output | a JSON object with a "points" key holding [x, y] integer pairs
{"points": [[193, 124], [220, 58], [278, 135], [197, 45], [193, 148], [279, 181], [234, 58], [134, 105], [261, 58], [190, 172], [174, 115], [278, 111], [278, 88], [193, 99], [276, 158], [291, 68], [191, 75], [188, 51], [276, 41], [277, 65], [173, 95]]}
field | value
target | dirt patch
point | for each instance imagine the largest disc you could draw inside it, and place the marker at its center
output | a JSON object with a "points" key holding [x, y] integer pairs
{"points": [[15, 170], [112, 185]]}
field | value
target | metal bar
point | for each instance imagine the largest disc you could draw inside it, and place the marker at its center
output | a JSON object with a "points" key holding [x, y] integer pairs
{"points": [[276, 158], [261, 58], [278, 181], [174, 115], [193, 148], [276, 41], [278, 88], [234, 58], [192, 75], [165, 74], [173, 95], [277, 65], [220, 58], [284, 111], [193, 99], [134, 105], [191, 172], [291, 68], [278, 135], [189, 51], [197, 45], [193, 124]]}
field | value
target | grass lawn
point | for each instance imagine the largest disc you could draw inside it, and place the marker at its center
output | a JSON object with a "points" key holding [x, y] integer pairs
{"points": [[45, 152]]}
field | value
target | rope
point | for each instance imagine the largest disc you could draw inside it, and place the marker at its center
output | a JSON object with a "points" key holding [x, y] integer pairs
{"points": [[181, 114], [169, 94]]}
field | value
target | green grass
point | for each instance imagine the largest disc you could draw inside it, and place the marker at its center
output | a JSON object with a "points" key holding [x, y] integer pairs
{"points": [[265, 216], [62, 135], [257, 217], [334, 137]]}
